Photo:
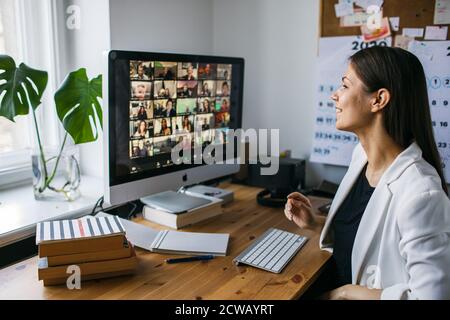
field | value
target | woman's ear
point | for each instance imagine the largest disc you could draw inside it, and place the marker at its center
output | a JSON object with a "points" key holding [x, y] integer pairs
{"points": [[380, 99]]}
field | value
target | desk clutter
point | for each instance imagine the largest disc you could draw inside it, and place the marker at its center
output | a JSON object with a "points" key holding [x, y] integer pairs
{"points": [[97, 245], [174, 242]]}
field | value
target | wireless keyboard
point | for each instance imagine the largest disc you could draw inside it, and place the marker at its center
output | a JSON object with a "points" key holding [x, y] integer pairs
{"points": [[272, 251]]}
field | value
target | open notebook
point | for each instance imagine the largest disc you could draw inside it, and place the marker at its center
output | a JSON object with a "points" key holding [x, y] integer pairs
{"points": [[177, 242]]}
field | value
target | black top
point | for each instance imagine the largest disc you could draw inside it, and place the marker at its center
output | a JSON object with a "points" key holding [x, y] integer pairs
{"points": [[345, 225]]}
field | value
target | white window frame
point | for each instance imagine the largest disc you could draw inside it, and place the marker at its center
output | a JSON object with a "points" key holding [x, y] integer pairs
{"points": [[38, 48]]}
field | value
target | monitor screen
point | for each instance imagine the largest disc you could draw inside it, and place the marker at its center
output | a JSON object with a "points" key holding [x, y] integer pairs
{"points": [[158, 101]]}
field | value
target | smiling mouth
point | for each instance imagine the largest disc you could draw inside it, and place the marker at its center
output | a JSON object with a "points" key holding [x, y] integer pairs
{"points": [[338, 110]]}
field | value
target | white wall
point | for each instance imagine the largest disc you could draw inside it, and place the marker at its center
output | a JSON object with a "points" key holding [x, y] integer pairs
{"points": [[181, 26], [278, 39]]}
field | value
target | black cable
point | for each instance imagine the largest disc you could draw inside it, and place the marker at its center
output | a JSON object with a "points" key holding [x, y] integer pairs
{"points": [[99, 203], [132, 210]]}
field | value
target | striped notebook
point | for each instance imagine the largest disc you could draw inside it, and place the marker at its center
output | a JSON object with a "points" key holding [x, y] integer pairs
{"points": [[86, 227]]}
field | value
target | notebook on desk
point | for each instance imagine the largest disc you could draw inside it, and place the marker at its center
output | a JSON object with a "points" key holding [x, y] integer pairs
{"points": [[176, 242]]}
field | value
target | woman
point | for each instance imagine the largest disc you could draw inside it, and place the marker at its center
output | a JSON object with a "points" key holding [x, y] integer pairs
{"points": [[389, 224], [141, 131], [142, 114], [206, 106], [165, 130], [187, 126]]}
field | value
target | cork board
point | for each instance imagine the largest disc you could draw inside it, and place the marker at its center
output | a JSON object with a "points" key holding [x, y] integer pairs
{"points": [[412, 13]]}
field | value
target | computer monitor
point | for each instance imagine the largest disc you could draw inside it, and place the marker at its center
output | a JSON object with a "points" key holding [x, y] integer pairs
{"points": [[155, 102]]}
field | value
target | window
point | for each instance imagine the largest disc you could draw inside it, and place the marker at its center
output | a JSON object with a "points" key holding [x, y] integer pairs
{"points": [[14, 137], [26, 34]]}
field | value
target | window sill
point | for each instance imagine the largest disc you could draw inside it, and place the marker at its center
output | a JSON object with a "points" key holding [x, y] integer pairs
{"points": [[19, 211]]}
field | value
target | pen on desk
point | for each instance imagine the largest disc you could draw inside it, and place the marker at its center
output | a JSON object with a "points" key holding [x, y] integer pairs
{"points": [[189, 259]]}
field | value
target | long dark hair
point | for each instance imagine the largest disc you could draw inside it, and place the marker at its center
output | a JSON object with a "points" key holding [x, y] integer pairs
{"points": [[407, 117]]}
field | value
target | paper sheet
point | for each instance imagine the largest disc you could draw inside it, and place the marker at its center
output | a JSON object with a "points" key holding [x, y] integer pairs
{"points": [[367, 3], [343, 9], [395, 23], [442, 12], [358, 18], [413, 32], [436, 33]]}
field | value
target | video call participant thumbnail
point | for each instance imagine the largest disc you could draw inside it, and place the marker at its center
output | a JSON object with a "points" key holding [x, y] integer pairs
{"points": [[204, 121], [183, 124], [223, 88], [187, 71], [164, 108], [187, 89], [141, 148], [141, 90], [224, 71], [206, 88], [186, 106], [165, 89], [207, 71], [165, 70], [141, 70], [141, 110], [205, 105], [222, 105], [163, 127], [141, 129], [222, 119]]}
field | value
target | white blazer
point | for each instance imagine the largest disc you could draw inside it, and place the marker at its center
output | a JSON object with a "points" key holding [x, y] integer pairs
{"points": [[402, 245]]}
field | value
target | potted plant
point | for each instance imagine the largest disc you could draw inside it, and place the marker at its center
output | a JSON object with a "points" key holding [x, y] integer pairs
{"points": [[78, 108]]}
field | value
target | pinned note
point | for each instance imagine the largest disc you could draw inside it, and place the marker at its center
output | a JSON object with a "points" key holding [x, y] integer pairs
{"points": [[413, 32], [367, 3], [436, 33], [343, 9], [402, 41], [395, 23], [442, 12]]}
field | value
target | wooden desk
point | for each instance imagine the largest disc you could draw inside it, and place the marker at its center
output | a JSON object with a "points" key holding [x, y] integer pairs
{"points": [[219, 278]]}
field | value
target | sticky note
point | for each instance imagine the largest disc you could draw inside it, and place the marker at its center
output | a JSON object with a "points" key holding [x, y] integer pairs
{"points": [[436, 33]]}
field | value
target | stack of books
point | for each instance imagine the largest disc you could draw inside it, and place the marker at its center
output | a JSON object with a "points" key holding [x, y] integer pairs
{"points": [[97, 245]]}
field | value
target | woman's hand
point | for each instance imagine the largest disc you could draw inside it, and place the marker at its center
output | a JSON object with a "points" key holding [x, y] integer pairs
{"points": [[298, 208], [352, 292]]}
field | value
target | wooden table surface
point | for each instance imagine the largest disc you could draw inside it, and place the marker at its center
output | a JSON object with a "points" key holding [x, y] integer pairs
{"points": [[218, 278]]}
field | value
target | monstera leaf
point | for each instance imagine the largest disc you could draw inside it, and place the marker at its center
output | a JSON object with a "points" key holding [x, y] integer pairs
{"points": [[77, 106], [20, 88]]}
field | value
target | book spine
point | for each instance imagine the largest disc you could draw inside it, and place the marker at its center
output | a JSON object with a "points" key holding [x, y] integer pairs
{"points": [[163, 218]]}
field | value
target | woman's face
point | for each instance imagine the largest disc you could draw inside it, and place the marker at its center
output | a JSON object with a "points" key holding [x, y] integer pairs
{"points": [[139, 92], [142, 127], [169, 105], [164, 123], [352, 103], [141, 70], [206, 104], [225, 89]]}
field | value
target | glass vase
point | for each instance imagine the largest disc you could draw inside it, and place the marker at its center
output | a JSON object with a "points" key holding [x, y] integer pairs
{"points": [[56, 176]]}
